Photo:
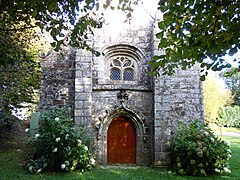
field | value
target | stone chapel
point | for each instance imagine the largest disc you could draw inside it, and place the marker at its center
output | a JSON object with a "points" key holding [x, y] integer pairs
{"points": [[131, 115]]}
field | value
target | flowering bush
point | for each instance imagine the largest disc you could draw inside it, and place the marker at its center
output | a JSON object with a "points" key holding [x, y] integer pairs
{"points": [[58, 146], [196, 151]]}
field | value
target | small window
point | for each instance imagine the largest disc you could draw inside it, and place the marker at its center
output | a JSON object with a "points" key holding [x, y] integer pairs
{"points": [[115, 74], [128, 75], [122, 69]]}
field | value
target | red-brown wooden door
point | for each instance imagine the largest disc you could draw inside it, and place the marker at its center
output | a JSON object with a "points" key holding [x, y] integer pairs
{"points": [[121, 142]]}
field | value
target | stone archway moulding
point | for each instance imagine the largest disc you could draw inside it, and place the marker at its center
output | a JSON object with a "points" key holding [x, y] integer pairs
{"points": [[106, 120], [124, 49]]}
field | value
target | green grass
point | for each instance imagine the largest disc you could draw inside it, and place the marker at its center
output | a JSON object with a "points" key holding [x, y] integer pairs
{"points": [[218, 129], [13, 155]]}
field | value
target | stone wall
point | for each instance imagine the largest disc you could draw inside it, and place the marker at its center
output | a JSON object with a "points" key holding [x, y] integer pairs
{"points": [[137, 108], [58, 76], [105, 97], [177, 98], [83, 89]]}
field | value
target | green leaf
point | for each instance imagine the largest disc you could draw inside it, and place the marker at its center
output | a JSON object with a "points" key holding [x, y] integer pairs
{"points": [[163, 43], [203, 65], [202, 78], [53, 44], [161, 25], [159, 35], [155, 58], [233, 51]]}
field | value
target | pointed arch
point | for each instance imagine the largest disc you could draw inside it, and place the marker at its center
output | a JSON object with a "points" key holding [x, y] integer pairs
{"points": [[134, 119], [121, 142]]}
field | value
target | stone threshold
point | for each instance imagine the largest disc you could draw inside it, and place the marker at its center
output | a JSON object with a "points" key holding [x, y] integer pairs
{"points": [[121, 166]]}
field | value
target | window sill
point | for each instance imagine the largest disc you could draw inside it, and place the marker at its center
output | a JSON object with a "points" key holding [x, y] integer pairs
{"points": [[126, 86]]}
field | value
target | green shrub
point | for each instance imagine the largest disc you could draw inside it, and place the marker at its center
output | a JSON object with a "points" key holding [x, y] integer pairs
{"points": [[58, 146], [195, 151], [229, 117]]}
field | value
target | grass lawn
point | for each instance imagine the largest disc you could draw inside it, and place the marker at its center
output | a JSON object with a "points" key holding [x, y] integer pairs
{"points": [[13, 154], [218, 129]]}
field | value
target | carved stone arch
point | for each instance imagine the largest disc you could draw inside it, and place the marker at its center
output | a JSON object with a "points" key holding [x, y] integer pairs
{"points": [[114, 49], [122, 52], [136, 121]]}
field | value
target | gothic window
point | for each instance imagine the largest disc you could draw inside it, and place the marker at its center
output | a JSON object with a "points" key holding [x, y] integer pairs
{"points": [[122, 69]]}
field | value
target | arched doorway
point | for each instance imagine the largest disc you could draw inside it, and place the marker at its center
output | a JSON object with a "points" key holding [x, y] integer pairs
{"points": [[121, 142]]}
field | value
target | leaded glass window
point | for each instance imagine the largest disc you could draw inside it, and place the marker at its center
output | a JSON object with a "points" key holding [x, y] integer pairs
{"points": [[115, 74], [128, 75], [122, 69]]}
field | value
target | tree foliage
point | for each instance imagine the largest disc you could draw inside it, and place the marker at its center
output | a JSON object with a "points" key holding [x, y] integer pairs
{"points": [[54, 17], [229, 117], [232, 79], [215, 97], [69, 22], [192, 31], [19, 69]]}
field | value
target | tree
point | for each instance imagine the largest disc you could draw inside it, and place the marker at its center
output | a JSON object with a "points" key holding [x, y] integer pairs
{"points": [[195, 30], [19, 70], [232, 80], [54, 17], [215, 97], [19, 73]]}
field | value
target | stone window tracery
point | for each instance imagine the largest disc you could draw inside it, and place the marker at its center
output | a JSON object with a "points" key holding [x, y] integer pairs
{"points": [[122, 68], [122, 65]]}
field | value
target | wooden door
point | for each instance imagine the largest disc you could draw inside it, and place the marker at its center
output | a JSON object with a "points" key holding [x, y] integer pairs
{"points": [[121, 142]]}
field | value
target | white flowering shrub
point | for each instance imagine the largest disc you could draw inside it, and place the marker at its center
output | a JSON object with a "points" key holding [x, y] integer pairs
{"points": [[196, 151], [58, 145]]}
